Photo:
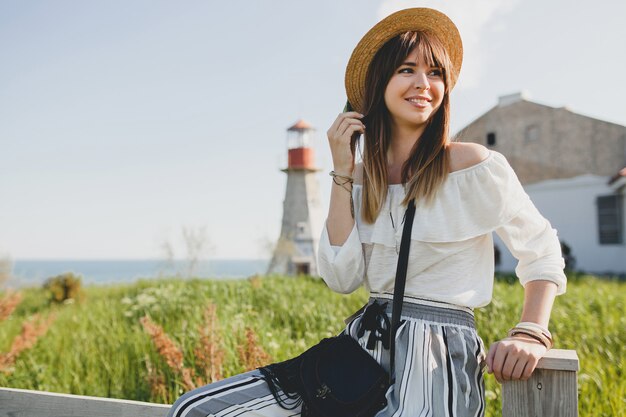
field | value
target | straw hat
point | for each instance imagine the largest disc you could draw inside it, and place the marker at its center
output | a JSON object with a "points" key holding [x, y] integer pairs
{"points": [[422, 19]]}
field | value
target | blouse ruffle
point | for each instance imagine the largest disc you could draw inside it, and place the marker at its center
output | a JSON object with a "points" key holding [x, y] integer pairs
{"points": [[452, 253], [471, 202]]}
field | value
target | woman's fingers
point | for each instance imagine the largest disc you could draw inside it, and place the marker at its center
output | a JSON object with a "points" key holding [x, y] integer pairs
{"points": [[499, 357], [342, 116], [514, 359], [347, 128], [518, 370], [342, 123], [529, 368], [339, 139], [508, 367]]}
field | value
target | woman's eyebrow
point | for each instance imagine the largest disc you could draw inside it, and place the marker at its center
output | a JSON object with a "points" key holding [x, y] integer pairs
{"points": [[414, 64]]}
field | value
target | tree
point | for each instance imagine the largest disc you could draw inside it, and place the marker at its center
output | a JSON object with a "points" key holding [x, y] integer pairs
{"points": [[197, 246]]}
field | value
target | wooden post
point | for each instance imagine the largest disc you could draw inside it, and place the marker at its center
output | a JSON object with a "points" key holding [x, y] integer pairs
{"points": [[551, 391]]}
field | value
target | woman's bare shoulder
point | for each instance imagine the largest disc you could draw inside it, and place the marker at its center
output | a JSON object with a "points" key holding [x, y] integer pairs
{"points": [[466, 154]]}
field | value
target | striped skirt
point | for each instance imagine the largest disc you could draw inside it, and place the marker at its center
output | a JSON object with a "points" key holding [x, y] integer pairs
{"points": [[438, 371]]}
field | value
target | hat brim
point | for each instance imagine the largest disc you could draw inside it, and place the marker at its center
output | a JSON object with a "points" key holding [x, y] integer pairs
{"points": [[415, 19]]}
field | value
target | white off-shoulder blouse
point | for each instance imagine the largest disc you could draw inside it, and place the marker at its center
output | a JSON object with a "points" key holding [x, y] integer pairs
{"points": [[451, 256]]}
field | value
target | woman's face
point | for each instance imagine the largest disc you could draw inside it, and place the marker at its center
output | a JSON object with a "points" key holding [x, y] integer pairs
{"points": [[414, 92]]}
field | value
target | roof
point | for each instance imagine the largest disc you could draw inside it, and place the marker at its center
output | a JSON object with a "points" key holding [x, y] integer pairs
{"points": [[301, 125], [524, 96]]}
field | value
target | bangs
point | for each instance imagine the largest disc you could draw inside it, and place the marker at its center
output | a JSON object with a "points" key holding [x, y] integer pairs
{"points": [[393, 53], [429, 50]]}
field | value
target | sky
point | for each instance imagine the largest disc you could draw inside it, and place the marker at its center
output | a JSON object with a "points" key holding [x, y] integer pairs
{"points": [[123, 123]]}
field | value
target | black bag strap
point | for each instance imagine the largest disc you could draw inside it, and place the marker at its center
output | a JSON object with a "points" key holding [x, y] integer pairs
{"points": [[398, 291]]}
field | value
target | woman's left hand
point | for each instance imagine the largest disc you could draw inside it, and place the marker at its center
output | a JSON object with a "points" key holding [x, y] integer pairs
{"points": [[514, 358]]}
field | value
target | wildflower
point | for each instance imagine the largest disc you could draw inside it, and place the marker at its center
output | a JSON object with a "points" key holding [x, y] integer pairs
{"points": [[156, 381], [8, 304], [251, 353], [31, 331], [168, 350], [209, 353]]}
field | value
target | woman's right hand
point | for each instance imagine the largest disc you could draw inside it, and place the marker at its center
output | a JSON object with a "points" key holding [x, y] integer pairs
{"points": [[340, 140]]}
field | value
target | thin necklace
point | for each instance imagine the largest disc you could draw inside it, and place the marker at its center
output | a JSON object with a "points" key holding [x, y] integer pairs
{"points": [[396, 230]]}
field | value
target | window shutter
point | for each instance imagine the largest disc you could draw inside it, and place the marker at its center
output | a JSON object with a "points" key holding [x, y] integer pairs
{"points": [[610, 219]]}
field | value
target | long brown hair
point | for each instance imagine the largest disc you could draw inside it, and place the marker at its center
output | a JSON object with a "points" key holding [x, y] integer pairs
{"points": [[427, 167]]}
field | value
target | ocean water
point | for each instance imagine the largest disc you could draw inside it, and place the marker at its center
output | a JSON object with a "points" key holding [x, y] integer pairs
{"points": [[34, 272]]}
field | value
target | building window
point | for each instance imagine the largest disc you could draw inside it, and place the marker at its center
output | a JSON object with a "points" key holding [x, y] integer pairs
{"points": [[532, 133], [610, 214], [303, 269], [491, 139]]}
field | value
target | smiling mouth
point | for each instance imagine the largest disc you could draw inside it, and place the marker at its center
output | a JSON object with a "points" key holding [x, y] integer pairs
{"points": [[420, 103]]}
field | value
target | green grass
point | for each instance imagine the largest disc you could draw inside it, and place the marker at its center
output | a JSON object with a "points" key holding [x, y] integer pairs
{"points": [[98, 347]]}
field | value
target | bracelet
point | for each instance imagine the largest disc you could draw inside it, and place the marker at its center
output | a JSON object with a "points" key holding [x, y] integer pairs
{"points": [[535, 329], [534, 326], [541, 337], [347, 179], [342, 184], [537, 338], [532, 330], [344, 177]]}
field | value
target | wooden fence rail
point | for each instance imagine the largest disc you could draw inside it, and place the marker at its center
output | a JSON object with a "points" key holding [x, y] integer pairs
{"points": [[26, 403], [550, 392]]}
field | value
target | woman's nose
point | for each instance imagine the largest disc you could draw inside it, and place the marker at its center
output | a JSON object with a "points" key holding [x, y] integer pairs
{"points": [[422, 82]]}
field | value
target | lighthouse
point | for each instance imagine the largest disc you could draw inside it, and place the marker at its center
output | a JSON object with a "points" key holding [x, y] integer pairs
{"points": [[295, 252]]}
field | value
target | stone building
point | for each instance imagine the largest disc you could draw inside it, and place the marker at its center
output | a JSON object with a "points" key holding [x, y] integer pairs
{"points": [[573, 168], [545, 143]]}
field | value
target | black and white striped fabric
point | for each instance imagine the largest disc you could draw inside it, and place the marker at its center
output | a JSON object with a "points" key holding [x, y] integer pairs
{"points": [[439, 367]]}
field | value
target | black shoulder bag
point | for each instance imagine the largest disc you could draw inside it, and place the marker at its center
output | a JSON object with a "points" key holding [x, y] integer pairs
{"points": [[337, 377]]}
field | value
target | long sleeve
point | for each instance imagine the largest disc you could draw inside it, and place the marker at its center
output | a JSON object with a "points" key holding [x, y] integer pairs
{"points": [[532, 240], [343, 268]]}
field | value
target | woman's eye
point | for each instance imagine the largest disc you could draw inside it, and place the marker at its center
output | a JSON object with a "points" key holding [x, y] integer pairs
{"points": [[406, 70], [436, 72]]}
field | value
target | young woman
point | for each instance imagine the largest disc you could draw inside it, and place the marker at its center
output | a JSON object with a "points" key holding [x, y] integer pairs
{"points": [[398, 81]]}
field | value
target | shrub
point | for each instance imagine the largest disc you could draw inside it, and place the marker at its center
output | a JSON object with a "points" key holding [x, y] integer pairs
{"points": [[64, 287]]}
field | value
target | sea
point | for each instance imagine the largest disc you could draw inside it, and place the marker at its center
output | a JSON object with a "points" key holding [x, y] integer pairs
{"points": [[33, 272]]}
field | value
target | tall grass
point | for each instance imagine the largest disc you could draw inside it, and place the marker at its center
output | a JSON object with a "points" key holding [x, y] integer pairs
{"points": [[99, 346]]}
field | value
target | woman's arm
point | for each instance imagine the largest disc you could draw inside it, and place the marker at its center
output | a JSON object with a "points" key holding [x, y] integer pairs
{"points": [[340, 221], [517, 357], [538, 300], [340, 217], [535, 243], [342, 268]]}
